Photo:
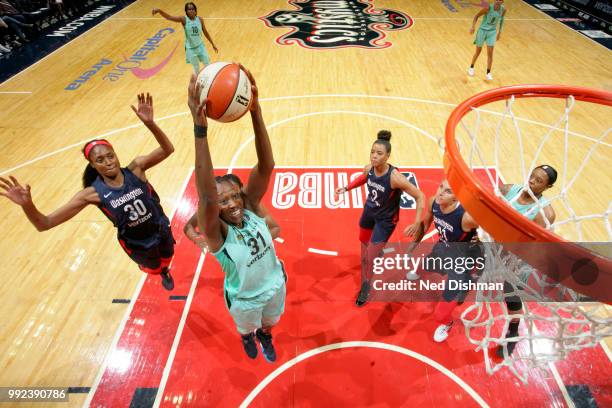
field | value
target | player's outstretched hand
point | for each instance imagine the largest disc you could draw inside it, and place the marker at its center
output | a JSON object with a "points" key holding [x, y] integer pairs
{"points": [[254, 89], [15, 192], [197, 107], [145, 108]]}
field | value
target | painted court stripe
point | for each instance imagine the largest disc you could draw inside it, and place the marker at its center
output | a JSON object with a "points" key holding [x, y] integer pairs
{"points": [[81, 143], [400, 98], [179, 332], [322, 252], [371, 344]]}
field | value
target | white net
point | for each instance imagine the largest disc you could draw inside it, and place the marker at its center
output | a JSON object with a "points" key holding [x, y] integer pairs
{"points": [[509, 143]]}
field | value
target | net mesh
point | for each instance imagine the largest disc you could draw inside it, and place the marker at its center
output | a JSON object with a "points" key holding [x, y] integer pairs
{"points": [[509, 143]]}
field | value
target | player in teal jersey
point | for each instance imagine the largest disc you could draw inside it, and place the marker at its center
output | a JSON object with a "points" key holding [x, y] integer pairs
{"points": [[487, 32], [236, 232], [541, 179], [195, 52], [537, 210]]}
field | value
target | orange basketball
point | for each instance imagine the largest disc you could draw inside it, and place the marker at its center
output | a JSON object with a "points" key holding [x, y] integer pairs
{"points": [[228, 90]]}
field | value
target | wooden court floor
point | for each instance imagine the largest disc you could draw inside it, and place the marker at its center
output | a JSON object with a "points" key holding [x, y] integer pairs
{"points": [[323, 108]]}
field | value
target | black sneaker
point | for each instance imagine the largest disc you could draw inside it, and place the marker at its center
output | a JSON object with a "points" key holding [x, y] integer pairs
{"points": [[267, 348], [248, 342], [364, 292], [167, 281], [510, 345]]}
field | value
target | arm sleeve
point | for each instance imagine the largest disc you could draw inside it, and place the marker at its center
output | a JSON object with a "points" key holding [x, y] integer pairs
{"points": [[359, 181]]}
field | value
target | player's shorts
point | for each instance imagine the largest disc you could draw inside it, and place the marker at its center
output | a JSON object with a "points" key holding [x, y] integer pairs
{"points": [[447, 259], [488, 36], [382, 228], [193, 55], [513, 301], [152, 260], [264, 310]]}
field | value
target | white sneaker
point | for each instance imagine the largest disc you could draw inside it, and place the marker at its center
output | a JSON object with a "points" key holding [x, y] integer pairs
{"points": [[489, 77], [412, 276], [471, 71], [441, 332]]}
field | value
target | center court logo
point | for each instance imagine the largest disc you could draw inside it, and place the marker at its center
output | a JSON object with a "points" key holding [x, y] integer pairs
{"points": [[326, 24]]}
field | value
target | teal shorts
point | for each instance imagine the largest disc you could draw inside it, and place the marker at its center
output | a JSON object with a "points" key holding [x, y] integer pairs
{"points": [[263, 311], [488, 36], [193, 55]]}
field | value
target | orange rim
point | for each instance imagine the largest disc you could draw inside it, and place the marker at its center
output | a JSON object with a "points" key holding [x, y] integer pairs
{"points": [[502, 222]]}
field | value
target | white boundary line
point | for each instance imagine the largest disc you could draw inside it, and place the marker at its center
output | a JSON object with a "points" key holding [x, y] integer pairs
{"points": [[322, 252], [470, 18], [162, 19], [63, 45], [129, 309], [179, 332], [282, 121], [304, 115], [604, 345], [351, 166], [81, 143], [15, 92], [371, 344]]}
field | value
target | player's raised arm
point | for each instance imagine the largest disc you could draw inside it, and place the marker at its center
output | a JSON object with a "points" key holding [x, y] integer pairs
{"points": [[177, 19], [208, 206], [165, 149], [260, 174]]}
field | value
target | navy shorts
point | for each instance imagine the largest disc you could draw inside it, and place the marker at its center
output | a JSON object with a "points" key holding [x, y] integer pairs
{"points": [[442, 253], [382, 228], [151, 260]]}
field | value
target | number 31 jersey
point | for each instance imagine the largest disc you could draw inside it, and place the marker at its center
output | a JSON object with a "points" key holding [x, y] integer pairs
{"points": [[249, 260], [134, 209]]}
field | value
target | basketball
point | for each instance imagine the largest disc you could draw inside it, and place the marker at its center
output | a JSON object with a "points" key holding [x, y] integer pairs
{"points": [[228, 90]]}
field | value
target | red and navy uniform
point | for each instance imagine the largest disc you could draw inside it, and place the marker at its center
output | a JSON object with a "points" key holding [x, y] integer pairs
{"points": [[453, 243], [381, 209], [449, 225], [143, 229]]}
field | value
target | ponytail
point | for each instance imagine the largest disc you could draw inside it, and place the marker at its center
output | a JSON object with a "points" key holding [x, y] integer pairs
{"points": [[89, 176]]}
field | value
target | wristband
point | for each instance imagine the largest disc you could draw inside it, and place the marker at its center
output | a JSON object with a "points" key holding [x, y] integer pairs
{"points": [[200, 131]]}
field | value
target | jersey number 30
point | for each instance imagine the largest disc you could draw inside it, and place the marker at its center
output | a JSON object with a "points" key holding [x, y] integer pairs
{"points": [[137, 210]]}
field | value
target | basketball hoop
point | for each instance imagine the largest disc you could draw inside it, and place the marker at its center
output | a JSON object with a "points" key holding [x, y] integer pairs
{"points": [[552, 261]]}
